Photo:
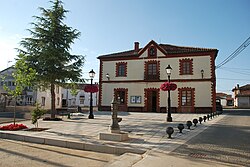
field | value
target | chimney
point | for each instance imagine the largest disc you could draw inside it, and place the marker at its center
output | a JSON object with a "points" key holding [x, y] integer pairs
{"points": [[136, 46]]}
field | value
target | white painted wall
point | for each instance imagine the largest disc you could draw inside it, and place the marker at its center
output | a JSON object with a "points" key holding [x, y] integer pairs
{"points": [[202, 93]]}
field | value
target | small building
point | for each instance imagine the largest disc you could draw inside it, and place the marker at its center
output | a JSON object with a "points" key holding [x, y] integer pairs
{"points": [[64, 97], [28, 96], [226, 100], [242, 96], [134, 77]]}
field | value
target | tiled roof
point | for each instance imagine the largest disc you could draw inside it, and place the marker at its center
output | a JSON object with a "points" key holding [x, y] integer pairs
{"points": [[245, 87], [121, 54], [170, 49], [221, 94]]}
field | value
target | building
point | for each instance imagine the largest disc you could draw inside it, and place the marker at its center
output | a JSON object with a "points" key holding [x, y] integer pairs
{"points": [[28, 96], [134, 77], [226, 100], [242, 96], [64, 97]]}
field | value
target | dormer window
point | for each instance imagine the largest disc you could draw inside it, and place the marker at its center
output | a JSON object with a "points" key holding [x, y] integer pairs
{"points": [[152, 51]]}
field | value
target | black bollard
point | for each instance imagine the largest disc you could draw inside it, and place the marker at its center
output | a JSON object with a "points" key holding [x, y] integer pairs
{"points": [[180, 127], [170, 131]]}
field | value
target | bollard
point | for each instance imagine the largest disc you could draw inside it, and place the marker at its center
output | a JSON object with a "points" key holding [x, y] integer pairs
{"points": [[195, 121], [208, 117], [200, 119], [170, 131], [204, 118], [180, 127], [189, 124]]}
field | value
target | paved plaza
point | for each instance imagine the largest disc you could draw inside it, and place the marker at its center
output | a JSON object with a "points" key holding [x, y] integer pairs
{"points": [[146, 132]]}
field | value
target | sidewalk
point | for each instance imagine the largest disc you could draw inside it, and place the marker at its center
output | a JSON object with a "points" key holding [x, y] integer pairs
{"points": [[147, 131]]}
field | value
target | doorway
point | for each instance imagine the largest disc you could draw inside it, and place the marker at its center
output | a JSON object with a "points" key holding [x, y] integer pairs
{"points": [[152, 100]]}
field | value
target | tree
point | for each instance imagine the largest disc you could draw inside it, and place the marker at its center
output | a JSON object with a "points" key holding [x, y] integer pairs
{"points": [[24, 76], [47, 50], [36, 114]]}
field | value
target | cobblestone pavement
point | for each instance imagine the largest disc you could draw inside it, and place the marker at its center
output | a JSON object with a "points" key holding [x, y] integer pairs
{"points": [[21, 154], [225, 141]]}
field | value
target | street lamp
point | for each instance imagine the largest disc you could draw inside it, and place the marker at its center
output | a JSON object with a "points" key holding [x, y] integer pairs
{"points": [[202, 73], [107, 75], [91, 75], [168, 71]]}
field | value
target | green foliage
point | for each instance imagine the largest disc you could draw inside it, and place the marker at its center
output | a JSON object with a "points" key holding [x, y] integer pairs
{"points": [[47, 50], [36, 114], [23, 76], [73, 89]]}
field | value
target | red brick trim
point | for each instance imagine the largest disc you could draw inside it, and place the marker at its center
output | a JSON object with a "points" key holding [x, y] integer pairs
{"points": [[213, 81], [181, 63], [148, 90], [152, 42], [117, 69], [193, 98], [125, 105], [146, 63], [100, 85]]}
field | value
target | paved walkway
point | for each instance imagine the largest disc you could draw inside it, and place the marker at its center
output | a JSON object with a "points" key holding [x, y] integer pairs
{"points": [[147, 131]]}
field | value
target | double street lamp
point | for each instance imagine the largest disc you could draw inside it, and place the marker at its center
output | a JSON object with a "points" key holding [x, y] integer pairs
{"points": [[91, 75], [168, 71]]}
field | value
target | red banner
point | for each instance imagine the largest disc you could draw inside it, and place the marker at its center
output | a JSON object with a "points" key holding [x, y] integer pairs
{"points": [[91, 89], [168, 86]]}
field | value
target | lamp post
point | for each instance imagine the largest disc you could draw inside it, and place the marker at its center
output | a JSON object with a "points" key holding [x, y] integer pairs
{"points": [[91, 75], [202, 73], [168, 71], [107, 75]]}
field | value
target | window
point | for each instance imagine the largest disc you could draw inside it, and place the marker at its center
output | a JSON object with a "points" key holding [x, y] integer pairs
{"points": [[186, 67], [29, 100], [58, 101], [57, 89], [121, 95], [186, 98], [121, 69], [43, 101], [82, 99], [151, 71], [152, 51]]}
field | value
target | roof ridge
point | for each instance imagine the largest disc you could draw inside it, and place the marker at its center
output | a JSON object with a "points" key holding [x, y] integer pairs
{"points": [[189, 47]]}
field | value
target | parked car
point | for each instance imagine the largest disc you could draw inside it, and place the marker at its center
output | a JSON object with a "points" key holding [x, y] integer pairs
{"points": [[219, 106]]}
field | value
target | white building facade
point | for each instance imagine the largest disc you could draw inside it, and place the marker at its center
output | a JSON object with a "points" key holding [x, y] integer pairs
{"points": [[135, 77], [64, 97]]}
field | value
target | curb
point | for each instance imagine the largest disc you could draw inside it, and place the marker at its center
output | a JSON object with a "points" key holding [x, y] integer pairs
{"points": [[104, 148]]}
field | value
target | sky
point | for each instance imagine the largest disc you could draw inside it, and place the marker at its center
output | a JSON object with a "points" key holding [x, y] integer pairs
{"points": [[109, 26]]}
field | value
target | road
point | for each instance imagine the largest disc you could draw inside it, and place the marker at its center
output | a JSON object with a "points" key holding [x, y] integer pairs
{"points": [[14, 153], [227, 141]]}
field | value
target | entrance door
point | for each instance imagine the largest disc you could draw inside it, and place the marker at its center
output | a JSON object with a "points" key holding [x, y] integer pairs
{"points": [[152, 100], [187, 100]]}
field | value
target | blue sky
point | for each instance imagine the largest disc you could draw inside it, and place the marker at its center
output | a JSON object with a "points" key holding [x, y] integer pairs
{"points": [[109, 26]]}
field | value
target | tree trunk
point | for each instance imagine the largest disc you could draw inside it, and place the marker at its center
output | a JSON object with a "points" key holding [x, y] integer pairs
{"points": [[53, 108], [15, 112]]}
